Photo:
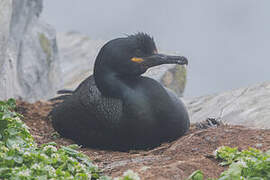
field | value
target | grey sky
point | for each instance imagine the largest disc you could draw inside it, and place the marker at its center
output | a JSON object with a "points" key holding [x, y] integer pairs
{"points": [[227, 42]]}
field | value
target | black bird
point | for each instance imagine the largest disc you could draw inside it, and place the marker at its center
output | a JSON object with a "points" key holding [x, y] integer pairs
{"points": [[117, 108]]}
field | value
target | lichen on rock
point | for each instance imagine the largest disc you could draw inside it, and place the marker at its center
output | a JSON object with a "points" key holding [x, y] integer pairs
{"points": [[175, 79], [28, 52], [46, 46]]}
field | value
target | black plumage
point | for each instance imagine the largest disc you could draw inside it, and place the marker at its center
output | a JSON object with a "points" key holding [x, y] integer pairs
{"points": [[117, 108]]}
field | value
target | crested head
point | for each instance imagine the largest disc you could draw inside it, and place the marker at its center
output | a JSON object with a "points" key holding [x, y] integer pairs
{"points": [[144, 42], [129, 57]]}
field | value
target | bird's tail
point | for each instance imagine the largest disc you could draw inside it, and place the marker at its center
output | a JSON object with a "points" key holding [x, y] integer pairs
{"points": [[64, 94], [65, 91]]}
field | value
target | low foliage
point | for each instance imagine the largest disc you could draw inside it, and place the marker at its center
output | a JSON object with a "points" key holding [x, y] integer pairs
{"points": [[21, 158], [251, 164]]}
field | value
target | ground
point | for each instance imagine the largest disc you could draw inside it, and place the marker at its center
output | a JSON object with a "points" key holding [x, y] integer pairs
{"points": [[175, 160]]}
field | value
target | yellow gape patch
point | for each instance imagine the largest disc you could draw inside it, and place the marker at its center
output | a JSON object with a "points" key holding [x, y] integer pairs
{"points": [[136, 59]]}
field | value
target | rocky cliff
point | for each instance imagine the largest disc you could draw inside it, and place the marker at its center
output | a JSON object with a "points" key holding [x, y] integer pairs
{"points": [[29, 63], [245, 106]]}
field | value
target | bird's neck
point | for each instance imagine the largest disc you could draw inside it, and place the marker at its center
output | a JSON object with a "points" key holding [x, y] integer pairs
{"points": [[111, 84]]}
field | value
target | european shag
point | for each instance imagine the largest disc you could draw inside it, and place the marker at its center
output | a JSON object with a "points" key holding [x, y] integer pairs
{"points": [[118, 108]]}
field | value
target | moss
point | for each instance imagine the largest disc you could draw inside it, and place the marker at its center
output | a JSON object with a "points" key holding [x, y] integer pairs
{"points": [[181, 77], [175, 79], [46, 46]]}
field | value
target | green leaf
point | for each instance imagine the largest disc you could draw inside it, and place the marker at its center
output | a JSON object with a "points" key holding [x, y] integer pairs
{"points": [[14, 142], [11, 103], [196, 175], [105, 178], [85, 160], [267, 152], [5, 172], [7, 115], [44, 177], [18, 159], [74, 146], [234, 171], [255, 178], [13, 131], [69, 150], [55, 135]]}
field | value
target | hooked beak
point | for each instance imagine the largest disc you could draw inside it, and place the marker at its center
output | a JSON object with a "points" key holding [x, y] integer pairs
{"points": [[158, 59]]}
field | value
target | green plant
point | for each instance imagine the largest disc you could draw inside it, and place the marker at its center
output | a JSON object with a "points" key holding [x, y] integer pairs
{"points": [[21, 158], [196, 175], [251, 164]]}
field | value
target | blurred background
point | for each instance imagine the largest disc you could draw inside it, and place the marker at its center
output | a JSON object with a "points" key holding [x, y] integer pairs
{"points": [[227, 42]]}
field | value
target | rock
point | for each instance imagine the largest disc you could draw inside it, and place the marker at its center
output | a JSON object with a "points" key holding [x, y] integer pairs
{"points": [[245, 106], [171, 76], [5, 64], [78, 53], [28, 52]]}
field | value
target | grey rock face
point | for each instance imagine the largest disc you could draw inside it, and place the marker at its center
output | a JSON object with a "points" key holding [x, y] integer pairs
{"points": [[245, 106], [78, 53], [5, 16], [171, 76], [29, 59]]}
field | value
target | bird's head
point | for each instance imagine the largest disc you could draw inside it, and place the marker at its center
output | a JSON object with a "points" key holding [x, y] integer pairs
{"points": [[132, 56]]}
